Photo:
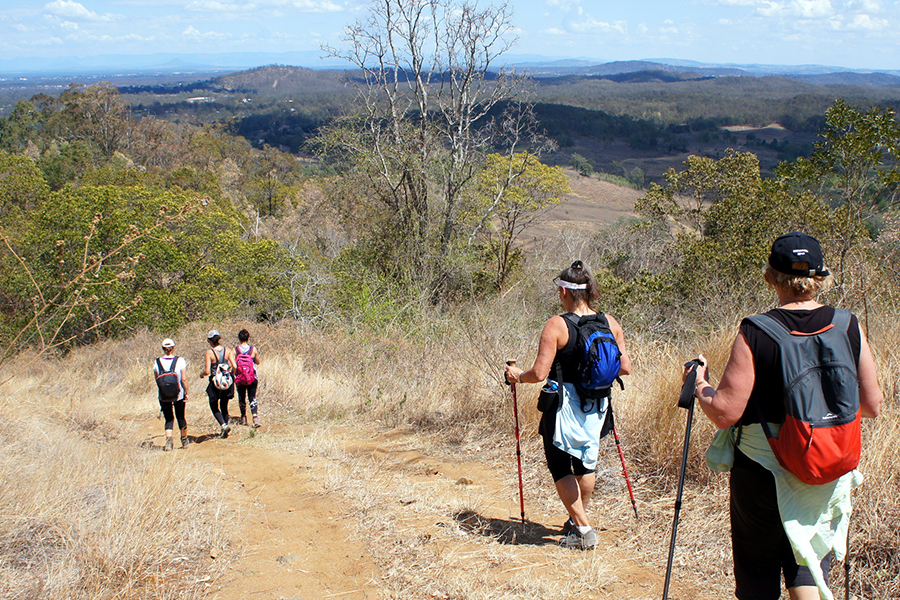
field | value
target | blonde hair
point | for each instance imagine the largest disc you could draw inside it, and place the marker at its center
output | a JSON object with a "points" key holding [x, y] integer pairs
{"points": [[800, 286]]}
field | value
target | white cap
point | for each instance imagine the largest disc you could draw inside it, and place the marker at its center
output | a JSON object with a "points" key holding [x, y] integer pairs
{"points": [[212, 333], [168, 343]]}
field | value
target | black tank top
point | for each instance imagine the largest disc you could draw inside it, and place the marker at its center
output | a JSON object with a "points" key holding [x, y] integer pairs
{"points": [[565, 357], [769, 385]]}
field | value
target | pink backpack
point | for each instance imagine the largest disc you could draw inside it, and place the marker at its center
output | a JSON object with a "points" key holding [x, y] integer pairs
{"points": [[246, 372]]}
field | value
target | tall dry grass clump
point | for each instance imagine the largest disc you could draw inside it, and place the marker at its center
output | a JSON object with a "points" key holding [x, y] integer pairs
{"points": [[85, 512]]}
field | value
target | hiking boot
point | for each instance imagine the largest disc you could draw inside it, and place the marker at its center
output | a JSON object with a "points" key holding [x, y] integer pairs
{"points": [[568, 527], [225, 429], [255, 422], [168, 445], [185, 441], [244, 420], [579, 541]]}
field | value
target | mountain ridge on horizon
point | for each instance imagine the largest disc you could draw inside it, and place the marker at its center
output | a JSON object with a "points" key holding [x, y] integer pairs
{"points": [[539, 66]]}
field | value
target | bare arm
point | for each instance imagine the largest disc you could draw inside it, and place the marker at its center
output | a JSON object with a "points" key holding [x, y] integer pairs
{"points": [[229, 358], [184, 383], [208, 359], [870, 395], [554, 336], [725, 405], [255, 355]]}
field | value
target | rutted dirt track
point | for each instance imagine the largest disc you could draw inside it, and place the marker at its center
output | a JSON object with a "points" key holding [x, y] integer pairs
{"points": [[301, 534]]}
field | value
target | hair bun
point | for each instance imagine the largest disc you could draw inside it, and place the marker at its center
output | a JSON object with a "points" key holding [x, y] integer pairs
{"points": [[577, 265]]}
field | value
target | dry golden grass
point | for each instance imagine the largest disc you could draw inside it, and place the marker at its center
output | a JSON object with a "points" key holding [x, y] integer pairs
{"points": [[91, 516], [83, 513]]}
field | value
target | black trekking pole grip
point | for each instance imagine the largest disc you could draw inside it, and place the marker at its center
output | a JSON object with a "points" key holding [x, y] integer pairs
{"points": [[686, 400], [510, 362]]}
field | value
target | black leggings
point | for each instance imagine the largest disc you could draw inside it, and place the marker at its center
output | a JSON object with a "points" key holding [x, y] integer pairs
{"points": [[762, 551], [172, 411], [247, 392], [218, 402]]}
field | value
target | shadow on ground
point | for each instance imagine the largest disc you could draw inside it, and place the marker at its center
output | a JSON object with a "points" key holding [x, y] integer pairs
{"points": [[506, 531]]}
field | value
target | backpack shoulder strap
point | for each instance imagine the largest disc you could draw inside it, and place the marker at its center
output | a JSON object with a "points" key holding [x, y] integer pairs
{"points": [[159, 367], [841, 319], [770, 326]]}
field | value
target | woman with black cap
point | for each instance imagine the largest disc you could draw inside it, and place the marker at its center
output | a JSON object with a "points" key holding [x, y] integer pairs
{"points": [[218, 358], [775, 516], [574, 477]]}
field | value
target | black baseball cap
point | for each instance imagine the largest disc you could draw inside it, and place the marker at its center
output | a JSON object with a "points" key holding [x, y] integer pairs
{"points": [[798, 247]]}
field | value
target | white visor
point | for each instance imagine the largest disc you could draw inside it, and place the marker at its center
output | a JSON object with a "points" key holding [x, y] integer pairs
{"points": [[569, 285]]}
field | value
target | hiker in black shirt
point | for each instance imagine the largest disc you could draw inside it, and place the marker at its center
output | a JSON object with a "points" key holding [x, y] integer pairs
{"points": [[574, 482], [766, 533]]}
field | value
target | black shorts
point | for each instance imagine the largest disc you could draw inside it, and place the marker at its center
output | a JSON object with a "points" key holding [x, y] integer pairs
{"points": [[561, 463], [761, 549]]}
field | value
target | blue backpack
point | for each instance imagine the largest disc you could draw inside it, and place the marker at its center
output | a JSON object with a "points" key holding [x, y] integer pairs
{"points": [[598, 355]]}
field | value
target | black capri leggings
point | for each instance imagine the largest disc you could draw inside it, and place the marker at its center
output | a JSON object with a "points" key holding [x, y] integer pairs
{"points": [[172, 411]]}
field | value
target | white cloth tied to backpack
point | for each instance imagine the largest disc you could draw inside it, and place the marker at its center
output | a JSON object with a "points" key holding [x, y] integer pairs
{"points": [[816, 518], [578, 432]]}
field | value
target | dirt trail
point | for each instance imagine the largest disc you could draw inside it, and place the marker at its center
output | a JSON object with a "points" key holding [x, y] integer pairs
{"points": [[298, 539]]}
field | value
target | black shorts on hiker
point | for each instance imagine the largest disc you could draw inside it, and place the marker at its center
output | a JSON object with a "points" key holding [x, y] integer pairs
{"points": [[561, 463], [761, 549]]}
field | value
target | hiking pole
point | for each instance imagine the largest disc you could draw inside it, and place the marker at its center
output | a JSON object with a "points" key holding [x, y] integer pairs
{"points": [[612, 419], [686, 400], [518, 446]]}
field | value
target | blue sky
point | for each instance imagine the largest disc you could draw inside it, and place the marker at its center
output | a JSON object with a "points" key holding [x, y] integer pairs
{"points": [[862, 34]]}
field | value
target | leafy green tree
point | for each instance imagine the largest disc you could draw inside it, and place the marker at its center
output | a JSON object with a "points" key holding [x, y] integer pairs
{"points": [[582, 165], [714, 223], [513, 192]]}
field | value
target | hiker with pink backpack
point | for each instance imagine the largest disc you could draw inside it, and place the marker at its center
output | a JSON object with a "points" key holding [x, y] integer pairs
{"points": [[245, 376]]}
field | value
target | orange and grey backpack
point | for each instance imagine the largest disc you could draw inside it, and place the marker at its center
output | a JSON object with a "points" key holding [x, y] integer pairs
{"points": [[820, 438]]}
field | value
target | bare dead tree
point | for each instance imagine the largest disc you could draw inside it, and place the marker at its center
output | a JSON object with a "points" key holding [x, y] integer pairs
{"points": [[428, 80]]}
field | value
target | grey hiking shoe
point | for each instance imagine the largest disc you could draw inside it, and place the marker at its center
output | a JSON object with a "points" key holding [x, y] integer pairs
{"points": [[568, 527], [185, 442], [578, 541], [168, 446], [225, 429]]}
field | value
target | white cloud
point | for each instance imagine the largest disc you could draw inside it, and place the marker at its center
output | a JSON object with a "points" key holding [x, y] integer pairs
{"points": [[219, 6], [814, 9], [69, 9], [69, 25], [193, 34], [867, 23], [592, 25], [554, 31], [866, 6]]}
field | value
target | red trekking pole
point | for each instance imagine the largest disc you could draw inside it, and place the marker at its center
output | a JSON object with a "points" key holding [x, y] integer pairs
{"points": [[518, 447], [622, 458]]}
